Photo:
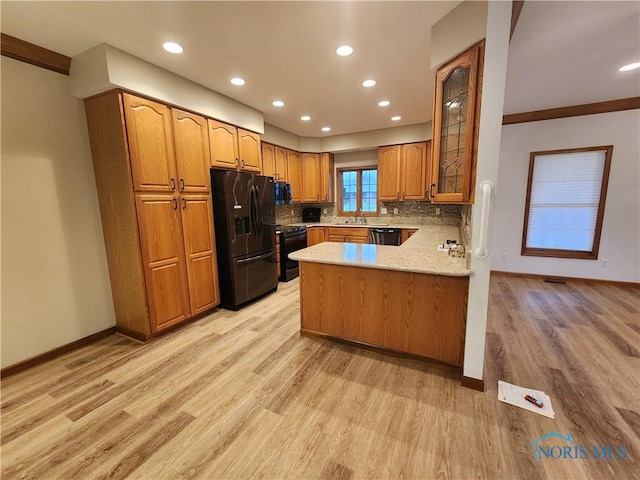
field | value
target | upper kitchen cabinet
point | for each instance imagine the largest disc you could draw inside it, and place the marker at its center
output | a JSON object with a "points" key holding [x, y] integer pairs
{"points": [[413, 161], [326, 177], [150, 142], [402, 172], [192, 151], [282, 164], [294, 175], [269, 160], [234, 148], [389, 173], [249, 150], [223, 145], [310, 177], [455, 127]]}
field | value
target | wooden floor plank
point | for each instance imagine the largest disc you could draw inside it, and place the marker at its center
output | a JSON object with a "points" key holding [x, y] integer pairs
{"points": [[243, 395]]}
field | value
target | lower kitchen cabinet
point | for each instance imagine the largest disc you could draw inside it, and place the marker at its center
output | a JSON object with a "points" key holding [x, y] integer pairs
{"points": [[348, 234], [200, 252], [163, 259], [316, 235], [407, 232]]}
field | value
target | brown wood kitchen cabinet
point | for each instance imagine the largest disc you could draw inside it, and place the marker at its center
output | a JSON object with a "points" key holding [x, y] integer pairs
{"points": [[317, 177], [193, 159], [407, 233], [269, 160], [282, 165], [234, 148], [402, 171], [326, 177], [165, 271], [348, 234], [294, 175], [455, 127], [316, 235], [150, 140], [310, 177], [159, 237]]}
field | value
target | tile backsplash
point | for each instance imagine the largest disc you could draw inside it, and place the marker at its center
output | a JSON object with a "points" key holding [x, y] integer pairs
{"points": [[417, 213], [286, 214]]}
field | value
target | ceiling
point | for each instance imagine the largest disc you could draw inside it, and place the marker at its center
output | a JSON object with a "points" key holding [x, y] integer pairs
{"points": [[568, 53], [562, 53], [284, 50]]}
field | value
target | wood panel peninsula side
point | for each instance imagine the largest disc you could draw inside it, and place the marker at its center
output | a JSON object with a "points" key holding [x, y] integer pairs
{"points": [[410, 299]]}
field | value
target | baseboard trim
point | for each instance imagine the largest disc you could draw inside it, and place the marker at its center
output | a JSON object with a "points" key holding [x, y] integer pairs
{"points": [[567, 279], [139, 337], [473, 383], [56, 352]]}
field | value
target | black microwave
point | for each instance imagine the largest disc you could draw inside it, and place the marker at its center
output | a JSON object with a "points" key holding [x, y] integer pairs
{"points": [[283, 193]]}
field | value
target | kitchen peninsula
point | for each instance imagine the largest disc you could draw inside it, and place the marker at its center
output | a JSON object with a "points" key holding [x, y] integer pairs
{"points": [[410, 299]]}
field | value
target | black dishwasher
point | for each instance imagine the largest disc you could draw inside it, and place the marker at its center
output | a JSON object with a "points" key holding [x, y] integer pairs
{"points": [[385, 236]]}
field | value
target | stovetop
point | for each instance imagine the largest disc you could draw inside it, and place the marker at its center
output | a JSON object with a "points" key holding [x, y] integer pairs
{"points": [[293, 231]]}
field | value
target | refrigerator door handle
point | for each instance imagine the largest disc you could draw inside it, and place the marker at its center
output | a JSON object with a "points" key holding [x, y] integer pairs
{"points": [[253, 214], [259, 209], [253, 259], [256, 204]]}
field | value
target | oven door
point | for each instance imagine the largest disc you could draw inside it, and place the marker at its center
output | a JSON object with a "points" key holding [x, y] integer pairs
{"points": [[292, 244]]}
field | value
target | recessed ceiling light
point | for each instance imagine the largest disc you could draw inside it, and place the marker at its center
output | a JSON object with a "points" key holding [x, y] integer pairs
{"points": [[384, 103], [172, 47], [368, 83], [631, 66], [326, 129], [277, 103], [396, 118], [237, 81], [344, 50], [305, 118]]}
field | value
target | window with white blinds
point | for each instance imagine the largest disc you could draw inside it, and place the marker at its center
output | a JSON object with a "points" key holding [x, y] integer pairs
{"points": [[565, 202]]}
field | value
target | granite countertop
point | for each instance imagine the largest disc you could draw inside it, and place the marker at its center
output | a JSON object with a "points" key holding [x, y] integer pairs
{"points": [[418, 254], [354, 225]]}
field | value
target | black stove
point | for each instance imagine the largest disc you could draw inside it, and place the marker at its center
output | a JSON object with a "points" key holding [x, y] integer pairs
{"points": [[293, 238], [289, 232]]}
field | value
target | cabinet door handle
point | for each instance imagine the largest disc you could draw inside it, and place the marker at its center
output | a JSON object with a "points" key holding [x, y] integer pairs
{"points": [[173, 184], [175, 203], [398, 196], [431, 191], [182, 184], [242, 163], [237, 162], [184, 204]]}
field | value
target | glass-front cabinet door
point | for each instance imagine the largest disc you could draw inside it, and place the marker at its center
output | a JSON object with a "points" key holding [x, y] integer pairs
{"points": [[454, 124]]}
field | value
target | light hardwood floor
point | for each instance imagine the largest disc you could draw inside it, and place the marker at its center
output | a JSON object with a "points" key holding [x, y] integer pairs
{"points": [[242, 395]]}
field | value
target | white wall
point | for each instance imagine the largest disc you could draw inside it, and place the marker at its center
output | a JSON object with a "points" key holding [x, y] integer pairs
{"points": [[495, 74], [620, 240], [418, 132], [55, 283], [462, 27], [105, 67]]}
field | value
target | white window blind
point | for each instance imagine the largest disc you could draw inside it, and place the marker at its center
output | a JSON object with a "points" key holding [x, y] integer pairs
{"points": [[564, 201]]}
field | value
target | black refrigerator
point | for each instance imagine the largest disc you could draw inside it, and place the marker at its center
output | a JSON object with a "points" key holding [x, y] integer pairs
{"points": [[245, 225]]}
